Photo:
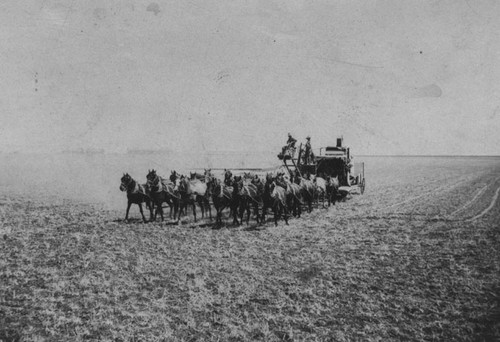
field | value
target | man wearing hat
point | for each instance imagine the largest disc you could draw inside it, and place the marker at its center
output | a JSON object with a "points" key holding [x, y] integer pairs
{"points": [[290, 145], [307, 152]]}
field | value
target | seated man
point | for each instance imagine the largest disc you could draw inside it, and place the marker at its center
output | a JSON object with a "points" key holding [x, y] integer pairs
{"points": [[289, 148]]}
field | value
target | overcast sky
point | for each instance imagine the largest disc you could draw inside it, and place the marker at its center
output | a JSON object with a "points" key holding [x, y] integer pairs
{"points": [[392, 77]]}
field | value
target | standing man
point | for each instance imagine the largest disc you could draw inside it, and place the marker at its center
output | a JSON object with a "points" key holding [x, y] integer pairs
{"points": [[307, 152], [290, 143]]}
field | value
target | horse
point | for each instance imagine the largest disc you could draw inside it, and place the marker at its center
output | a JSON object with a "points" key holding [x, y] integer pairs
{"points": [[136, 194], [308, 191], [278, 194], [228, 177], [187, 197], [294, 197], [162, 191], [222, 197], [173, 176], [267, 199], [320, 189], [249, 196], [292, 192], [196, 175], [332, 189], [249, 175], [193, 191]]}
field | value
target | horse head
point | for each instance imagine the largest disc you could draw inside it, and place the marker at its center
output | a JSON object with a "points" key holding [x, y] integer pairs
{"points": [[214, 186], [208, 175], [273, 188], [151, 174], [333, 182], [152, 179], [255, 180], [228, 175], [211, 183], [181, 183], [126, 180]]}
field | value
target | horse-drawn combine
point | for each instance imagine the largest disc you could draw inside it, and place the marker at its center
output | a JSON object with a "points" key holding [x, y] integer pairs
{"points": [[329, 176], [332, 161]]}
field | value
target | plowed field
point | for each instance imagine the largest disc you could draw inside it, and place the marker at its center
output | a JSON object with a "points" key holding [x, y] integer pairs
{"points": [[416, 258]]}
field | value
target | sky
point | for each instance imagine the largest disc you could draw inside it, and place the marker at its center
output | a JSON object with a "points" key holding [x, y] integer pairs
{"points": [[391, 77]]}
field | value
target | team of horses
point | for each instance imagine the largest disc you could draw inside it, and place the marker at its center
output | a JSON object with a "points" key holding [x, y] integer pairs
{"points": [[285, 194]]}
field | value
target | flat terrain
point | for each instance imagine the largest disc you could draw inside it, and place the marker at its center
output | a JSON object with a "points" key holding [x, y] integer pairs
{"points": [[416, 258]]}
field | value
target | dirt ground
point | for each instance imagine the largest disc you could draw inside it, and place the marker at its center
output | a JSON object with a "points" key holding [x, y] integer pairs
{"points": [[415, 258]]}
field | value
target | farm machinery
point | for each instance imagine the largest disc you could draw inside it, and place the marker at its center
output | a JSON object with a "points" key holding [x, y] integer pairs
{"points": [[334, 161]]}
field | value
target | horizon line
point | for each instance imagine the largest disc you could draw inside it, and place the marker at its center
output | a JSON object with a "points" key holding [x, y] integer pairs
{"points": [[230, 152]]}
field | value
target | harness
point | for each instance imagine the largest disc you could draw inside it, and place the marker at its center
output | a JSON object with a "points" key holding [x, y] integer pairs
{"points": [[133, 187], [294, 192], [164, 187], [246, 187]]}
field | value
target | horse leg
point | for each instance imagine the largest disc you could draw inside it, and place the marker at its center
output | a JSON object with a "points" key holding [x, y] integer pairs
{"points": [[209, 208], [246, 208], [216, 212], [234, 208], [160, 207], [242, 210], [183, 208], [194, 210], [219, 213], [199, 200], [265, 208], [179, 211], [276, 214], [249, 211], [150, 205], [256, 211], [170, 204], [285, 209], [128, 208], [142, 213], [176, 207]]}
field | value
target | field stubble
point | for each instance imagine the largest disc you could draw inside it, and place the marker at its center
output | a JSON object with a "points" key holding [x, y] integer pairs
{"points": [[401, 262]]}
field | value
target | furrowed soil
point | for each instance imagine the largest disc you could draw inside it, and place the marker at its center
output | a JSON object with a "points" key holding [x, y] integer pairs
{"points": [[415, 258]]}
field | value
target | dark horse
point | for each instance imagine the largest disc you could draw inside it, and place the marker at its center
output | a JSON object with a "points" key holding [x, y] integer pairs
{"points": [[267, 199], [332, 189], [136, 194], [161, 192], [294, 196], [280, 208], [308, 191], [247, 195], [250, 193], [222, 197], [192, 191]]}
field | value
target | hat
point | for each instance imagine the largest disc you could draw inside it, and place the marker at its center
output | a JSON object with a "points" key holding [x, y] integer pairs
{"points": [[308, 137]]}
